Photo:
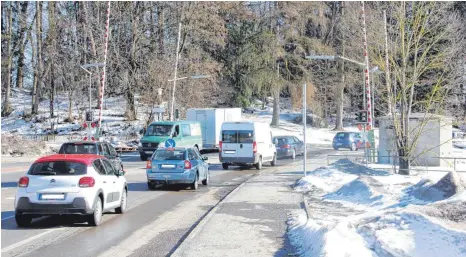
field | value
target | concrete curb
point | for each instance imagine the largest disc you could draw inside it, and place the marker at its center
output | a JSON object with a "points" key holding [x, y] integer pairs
{"points": [[206, 219]]}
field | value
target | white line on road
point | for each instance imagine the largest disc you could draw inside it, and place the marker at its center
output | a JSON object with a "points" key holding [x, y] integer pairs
{"points": [[18, 244], [9, 217]]}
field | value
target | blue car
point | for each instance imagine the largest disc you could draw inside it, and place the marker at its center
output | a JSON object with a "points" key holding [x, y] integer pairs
{"points": [[177, 165], [349, 140]]}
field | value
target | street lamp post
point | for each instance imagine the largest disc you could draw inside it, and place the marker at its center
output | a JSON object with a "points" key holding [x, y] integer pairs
{"points": [[84, 66], [173, 92]]}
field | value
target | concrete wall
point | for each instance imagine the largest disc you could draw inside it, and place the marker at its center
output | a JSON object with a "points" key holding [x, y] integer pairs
{"points": [[434, 141]]}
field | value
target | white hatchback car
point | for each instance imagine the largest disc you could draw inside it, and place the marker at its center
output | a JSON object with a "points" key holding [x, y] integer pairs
{"points": [[82, 184]]}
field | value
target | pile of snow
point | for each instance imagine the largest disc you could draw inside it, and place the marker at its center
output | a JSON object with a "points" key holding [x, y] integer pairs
{"points": [[357, 211], [17, 146]]}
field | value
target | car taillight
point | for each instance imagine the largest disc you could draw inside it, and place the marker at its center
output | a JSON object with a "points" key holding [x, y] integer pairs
{"points": [[286, 146], [187, 165], [23, 182], [149, 164], [254, 147], [220, 145], [86, 182]]}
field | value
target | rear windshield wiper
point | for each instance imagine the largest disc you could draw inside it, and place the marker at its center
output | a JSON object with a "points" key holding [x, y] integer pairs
{"points": [[45, 173]]}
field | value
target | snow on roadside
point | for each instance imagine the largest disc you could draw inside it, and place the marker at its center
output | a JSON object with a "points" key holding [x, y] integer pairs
{"points": [[357, 211]]}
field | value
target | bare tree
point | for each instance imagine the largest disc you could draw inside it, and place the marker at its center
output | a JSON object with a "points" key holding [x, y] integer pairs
{"points": [[6, 110]]}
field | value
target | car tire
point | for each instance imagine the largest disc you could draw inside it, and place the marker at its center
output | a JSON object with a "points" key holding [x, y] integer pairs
{"points": [[123, 204], [195, 184], [259, 164], [23, 220], [206, 181], [143, 156], [293, 155], [274, 161], [335, 148], [151, 186], [95, 218], [353, 147], [225, 166]]}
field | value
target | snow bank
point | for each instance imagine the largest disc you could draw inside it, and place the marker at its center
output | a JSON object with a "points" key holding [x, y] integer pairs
{"points": [[356, 211], [15, 145]]}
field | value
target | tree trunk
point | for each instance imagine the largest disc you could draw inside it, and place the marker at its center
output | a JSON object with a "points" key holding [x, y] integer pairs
{"points": [[38, 69], [70, 105], [341, 85], [161, 24], [276, 108], [6, 103], [404, 162], [21, 41]]}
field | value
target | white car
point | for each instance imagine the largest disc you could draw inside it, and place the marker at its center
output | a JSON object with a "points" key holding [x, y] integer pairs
{"points": [[83, 184]]}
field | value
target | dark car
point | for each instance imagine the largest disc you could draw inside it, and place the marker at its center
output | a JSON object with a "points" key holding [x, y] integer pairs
{"points": [[91, 147], [288, 146], [348, 140]]}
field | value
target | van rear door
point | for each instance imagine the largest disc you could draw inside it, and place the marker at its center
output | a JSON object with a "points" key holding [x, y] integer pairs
{"points": [[230, 142], [245, 144]]}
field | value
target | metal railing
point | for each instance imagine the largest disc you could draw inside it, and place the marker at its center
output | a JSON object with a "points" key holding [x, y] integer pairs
{"points": [[419, 164]]}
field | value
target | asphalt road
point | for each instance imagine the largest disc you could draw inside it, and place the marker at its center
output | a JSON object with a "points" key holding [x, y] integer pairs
{"points": [[160, 219]]}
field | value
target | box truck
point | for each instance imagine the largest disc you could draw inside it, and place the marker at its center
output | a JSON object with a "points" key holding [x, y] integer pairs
{"points": [[211, 120]]}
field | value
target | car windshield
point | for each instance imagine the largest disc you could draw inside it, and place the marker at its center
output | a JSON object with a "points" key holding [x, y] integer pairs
{"points": [[61, 168], [78, 148], [166, 154], [159, 130]]}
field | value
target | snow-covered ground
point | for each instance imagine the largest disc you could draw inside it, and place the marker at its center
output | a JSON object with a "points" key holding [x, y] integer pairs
{"points": [[358, 211]]}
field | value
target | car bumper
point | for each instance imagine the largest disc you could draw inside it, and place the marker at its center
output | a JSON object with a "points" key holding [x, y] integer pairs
{"points": [[285, 152], [147, 150], [239, 160], [78, 206], [171, 177]]}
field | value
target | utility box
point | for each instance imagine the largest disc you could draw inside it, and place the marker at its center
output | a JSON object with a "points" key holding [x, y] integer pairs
{"points": [[434, 143], [211, 120]]}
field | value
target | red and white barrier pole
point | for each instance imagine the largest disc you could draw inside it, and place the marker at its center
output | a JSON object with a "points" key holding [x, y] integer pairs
{"points": [[102, 80]]}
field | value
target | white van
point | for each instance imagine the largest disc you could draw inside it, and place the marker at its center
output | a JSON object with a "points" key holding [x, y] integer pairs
{"points": [[246, 143]]}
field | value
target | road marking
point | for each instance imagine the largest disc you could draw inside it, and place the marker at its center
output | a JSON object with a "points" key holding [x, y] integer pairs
{"points": [[16, 245], [9, 217]]}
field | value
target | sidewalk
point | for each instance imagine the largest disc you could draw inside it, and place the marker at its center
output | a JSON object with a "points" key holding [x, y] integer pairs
{"points": [[251, 221]]}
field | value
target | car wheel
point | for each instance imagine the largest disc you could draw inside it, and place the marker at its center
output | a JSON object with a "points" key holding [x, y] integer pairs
{"points": [[274, 161], [353, 147], [335, 148], [195, 184], [206, 181], [122, 208], [151, 186], [143, 156], [259, 164], [96, 217], [293, 155], [225, 166], [23, 220]]}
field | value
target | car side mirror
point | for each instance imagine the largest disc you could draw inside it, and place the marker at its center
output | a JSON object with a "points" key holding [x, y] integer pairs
{"points": [[174, 134], [118, 155], [205, 158], [120, 173]]}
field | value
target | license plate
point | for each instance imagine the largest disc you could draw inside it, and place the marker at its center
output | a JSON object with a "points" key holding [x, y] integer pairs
{"points": [[229, 152], [338, 143], [167, 166], [52, 197]]}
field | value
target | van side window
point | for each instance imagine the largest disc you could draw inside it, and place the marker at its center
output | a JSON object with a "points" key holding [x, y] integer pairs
{"points": [[245, 136], [186, 130]]}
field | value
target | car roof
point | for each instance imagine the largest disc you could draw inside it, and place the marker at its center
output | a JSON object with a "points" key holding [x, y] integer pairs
{"points": [[86, 159], [176, 148]]}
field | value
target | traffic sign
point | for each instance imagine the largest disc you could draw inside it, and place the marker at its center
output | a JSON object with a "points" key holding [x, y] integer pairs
{"points": [[170, 143]]}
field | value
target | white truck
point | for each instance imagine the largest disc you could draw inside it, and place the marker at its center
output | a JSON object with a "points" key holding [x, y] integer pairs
{"points": [[211, 120]]}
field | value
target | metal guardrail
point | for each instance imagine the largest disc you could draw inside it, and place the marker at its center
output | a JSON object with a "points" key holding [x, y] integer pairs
{"points": [[60, 138], [456, 163]]}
